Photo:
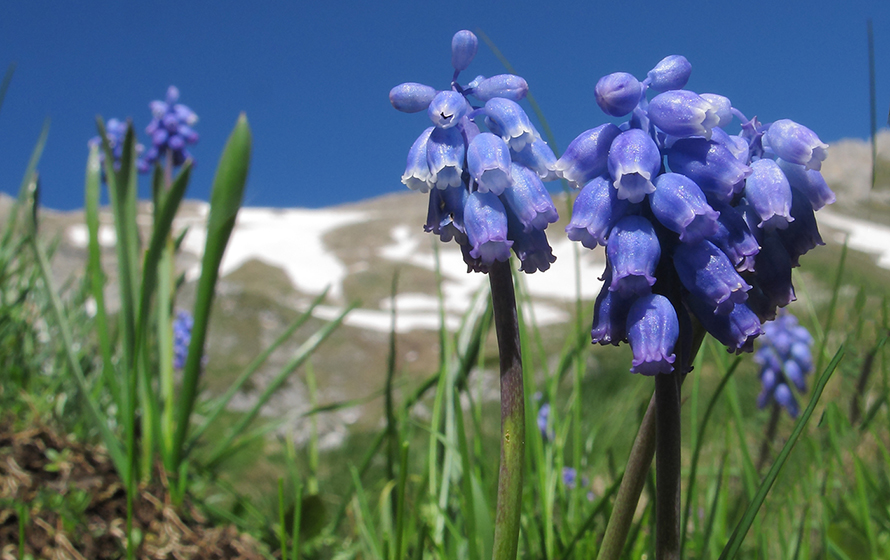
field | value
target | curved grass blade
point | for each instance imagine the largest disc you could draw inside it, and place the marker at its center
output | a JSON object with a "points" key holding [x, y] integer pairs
{"points": [[738, 535], [225, 201], [7, 78], [690, 486], [219, 405], [301, 355]]}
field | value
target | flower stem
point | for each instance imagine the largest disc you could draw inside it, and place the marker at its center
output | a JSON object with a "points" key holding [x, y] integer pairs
{"points": [[667, 466], [631, 487], [769, 436], [509, 505]]}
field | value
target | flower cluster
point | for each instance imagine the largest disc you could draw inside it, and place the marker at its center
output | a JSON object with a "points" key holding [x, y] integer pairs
{"points": [[693, 219], [486, 184], [170, 129], [785, 358], [182, 336], [116, 131]]}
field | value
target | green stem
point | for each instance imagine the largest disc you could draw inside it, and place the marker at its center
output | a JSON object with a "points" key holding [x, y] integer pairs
{"points": [[509, 502], [631, 487]]}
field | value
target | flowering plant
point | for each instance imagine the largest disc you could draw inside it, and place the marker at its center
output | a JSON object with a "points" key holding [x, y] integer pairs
{"points": [[486, 186], [694, 219]]}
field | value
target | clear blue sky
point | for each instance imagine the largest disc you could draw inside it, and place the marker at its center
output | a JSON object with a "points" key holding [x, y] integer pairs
{"points": [[313, 77]]}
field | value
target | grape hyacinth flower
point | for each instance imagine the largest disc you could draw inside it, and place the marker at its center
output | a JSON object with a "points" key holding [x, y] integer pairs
{"points": [[170, 130], [182, 336], [483, 164], [726, 215], [785, 358], [115, 131]]}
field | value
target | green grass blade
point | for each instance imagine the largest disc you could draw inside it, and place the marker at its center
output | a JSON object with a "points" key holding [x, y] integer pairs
{"points": [[219, 405], [301, 355], [225, 201], [738, 535], [25, 185], [7, 78], [111, 442], [699, 442], [94, 267]]}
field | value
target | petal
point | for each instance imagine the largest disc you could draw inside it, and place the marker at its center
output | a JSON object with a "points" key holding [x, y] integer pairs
{"points": [[507, 86], [447, 108], [796, 143], [707, 273], [596, 210], [529, 199], [683, 113], [512, 122], [652, 330], [445, 156], [634, 161], [587, 155], [681, 207], [633, 250], [485, 220], [768, 192], [710, 164], [463, 49], [411, 97], [488, 160], [617, 94], [671, 73]]}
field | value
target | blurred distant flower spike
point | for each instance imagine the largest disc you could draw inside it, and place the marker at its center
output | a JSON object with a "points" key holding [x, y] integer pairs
{"points": [[485, 184], [116, 131], [182, 336], [170, 130], [785, 358]]}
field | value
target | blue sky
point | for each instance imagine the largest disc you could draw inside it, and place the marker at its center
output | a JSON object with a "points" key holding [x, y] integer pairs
{"points": [[313, 77]]}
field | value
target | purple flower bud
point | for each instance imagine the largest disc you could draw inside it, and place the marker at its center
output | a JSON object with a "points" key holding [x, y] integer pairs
{"points": [[796, 143], [542, 421], [596, 209], [773, 278], [529, 199], [485, 220], [633, 251], [531, 247], [784, 397], [569, 477], [734, 238], [507, 86], [411, 97], [445, 215], [722, 106], [182, 336], [803, 233], [710, 164], [768, 192], [587, 155], [707, 273], [681, 207], [512, 122], [634, 161], [735, 144], [652, 330], [683, 113], [808, 181], [617, 94], [463, 49], [417, 172], [447, 108], [610, 314], [671, 73], [736, 331], [539, 158], [488, 159], [170, 129], [445, 156]]}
